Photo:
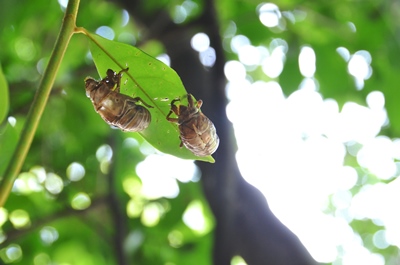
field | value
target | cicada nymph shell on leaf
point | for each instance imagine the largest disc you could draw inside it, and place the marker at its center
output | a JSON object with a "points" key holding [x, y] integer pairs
{"points": [[197, 132], [115, 108]]}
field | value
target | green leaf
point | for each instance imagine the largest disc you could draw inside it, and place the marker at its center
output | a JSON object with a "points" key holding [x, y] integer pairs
{"points": [[151, 80], [8, 142], [4, 96]]}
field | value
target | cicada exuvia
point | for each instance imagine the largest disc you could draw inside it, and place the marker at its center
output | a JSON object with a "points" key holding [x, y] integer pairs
{"points": [[117, 109], [197, 132]]}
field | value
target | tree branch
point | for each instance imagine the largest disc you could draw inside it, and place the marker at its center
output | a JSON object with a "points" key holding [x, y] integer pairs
{"points": [[245, 224]]}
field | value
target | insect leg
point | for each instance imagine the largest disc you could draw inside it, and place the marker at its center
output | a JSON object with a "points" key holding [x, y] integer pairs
{"points": [[174, 109], [123, 71], [175, 120], [174, 100], [138, 99], [117, 78]]}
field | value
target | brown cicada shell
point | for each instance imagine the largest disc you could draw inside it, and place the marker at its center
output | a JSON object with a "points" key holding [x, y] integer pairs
{"points": [[197, 132], [115, 108]]}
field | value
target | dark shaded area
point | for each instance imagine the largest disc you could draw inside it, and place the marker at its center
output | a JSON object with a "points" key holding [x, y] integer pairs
{"points": [[245, 224]]}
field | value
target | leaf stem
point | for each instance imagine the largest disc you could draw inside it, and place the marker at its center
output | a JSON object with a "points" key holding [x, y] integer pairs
{"points": [[89, 35], [40, 101]]}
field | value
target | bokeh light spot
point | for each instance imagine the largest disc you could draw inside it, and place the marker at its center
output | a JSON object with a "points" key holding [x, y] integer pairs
{"points": [[307, 61], [80, 201], [376, 155], [239, 41], [238, 260], [25, 49], [132, 186], [376, 100], [194, 218], [104, 154], [344, 53], [54, 183], [19, 218], [42, 259], [164, 58], [106, 32], [134, 240], [3, 216], [208, 57], [26, 183], [13, 253], [269, 15], [234, 71], [48, 235], [200, 42], [379, 239], [160, 181], [125, 18], [359, 67], [134, 208], [175, 238], [272, 66], [63, 4], [75, 171], [151, 214], [351, 26], [179, 14], [12, 121], [39, 172], [249, 55]]}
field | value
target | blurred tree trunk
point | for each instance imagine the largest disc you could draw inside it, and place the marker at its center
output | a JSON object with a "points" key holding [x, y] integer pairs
{"points": [[245, 224]]}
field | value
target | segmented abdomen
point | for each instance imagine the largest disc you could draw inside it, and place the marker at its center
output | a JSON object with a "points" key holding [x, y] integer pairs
{"points": [[199, 135], [121, 111]]}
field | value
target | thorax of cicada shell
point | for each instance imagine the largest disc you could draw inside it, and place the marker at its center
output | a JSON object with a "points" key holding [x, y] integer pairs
{"points": [[114, 103], [96, 91], [187, 114], [197, 120]]}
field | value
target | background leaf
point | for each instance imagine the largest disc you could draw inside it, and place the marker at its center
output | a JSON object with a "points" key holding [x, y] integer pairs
{"points": [[151, 80], [4, 101], [8, 142]]}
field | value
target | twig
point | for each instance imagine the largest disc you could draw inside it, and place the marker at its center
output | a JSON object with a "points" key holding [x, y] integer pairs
{"points": [[40, 101]]}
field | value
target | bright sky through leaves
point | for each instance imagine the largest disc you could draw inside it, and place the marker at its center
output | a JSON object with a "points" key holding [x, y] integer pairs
{"points": [[301, 144], [299, 148]]}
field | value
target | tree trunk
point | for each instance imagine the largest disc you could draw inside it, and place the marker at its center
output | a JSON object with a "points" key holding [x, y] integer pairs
{"points": [[245, 224]]}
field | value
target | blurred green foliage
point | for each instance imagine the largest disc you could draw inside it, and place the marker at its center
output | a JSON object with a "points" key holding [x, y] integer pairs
{"points": [[4, 98], [70, 130]]}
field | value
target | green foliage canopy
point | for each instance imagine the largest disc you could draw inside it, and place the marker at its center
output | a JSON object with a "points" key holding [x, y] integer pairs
{"points": [[69, 120]]}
